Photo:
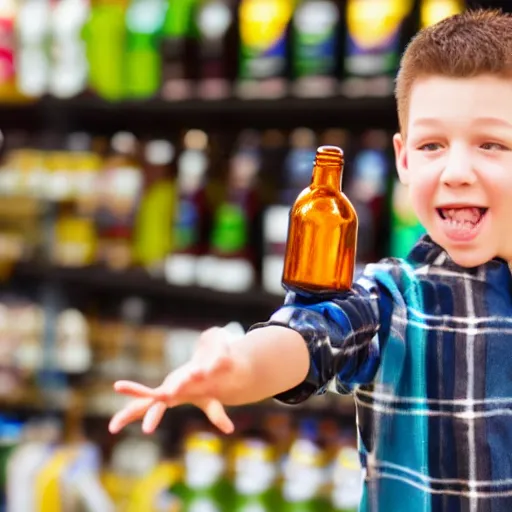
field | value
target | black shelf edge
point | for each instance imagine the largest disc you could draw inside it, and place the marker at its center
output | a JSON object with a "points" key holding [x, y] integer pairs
{"points": [[156, 115], [191, 301], [133, 280], [168, 302], [340, 406]]}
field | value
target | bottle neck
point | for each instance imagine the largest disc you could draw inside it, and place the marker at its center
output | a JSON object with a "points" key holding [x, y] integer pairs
{"points": [[327, 176]]}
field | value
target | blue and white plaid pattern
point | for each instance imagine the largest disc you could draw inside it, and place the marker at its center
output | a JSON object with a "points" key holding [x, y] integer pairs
{"points": [[425, 346]]}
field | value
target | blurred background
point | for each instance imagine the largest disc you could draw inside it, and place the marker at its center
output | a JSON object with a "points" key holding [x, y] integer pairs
{"points": [[150, 153]]}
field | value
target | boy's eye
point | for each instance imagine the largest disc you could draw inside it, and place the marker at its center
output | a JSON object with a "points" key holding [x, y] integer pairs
{"points": [[431, 146], [493, 146]]}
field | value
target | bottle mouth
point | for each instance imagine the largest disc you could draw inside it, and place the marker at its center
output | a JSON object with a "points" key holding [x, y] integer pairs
{"points": [[329, 155]]}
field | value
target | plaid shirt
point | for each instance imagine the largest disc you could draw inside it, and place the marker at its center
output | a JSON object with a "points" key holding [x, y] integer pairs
{"points": [[425, 346]]}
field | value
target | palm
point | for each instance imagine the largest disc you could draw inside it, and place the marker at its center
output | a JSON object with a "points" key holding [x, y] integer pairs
{"points": [[194, 383]]}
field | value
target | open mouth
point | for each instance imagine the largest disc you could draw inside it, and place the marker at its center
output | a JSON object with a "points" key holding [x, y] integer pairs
{"points": [[462, 223], [462, 216]]}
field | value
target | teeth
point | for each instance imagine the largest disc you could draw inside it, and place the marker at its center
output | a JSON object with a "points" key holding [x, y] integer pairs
{"points": [[462, 216], [461, 224]]}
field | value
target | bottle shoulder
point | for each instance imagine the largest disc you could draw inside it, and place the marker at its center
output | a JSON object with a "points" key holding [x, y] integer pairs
{"points": [[325, 200]]}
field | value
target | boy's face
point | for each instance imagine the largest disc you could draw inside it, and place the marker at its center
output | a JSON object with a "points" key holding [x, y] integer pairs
{"points": [[457, 163]]}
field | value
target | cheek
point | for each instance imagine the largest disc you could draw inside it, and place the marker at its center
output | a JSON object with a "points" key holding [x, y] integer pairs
{"points": [[497, 187], [422, 190]]}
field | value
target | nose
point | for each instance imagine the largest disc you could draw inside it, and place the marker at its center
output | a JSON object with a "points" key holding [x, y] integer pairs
{"points": [[458, 170]]}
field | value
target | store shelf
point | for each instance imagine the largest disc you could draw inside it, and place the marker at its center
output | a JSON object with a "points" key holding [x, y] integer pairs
{"points": [[158, 116], [341, 406], [183, 301]]}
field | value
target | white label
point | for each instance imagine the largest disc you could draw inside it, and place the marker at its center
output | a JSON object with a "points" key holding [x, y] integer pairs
{"points": [[202, 469], [9, 181], [253, 476], [347, 479], [214, 19], [275, 224], [232, 275], [33, 71], [302, 482], [316, 17], [206, 266], [32, 22], [272, 274], [203, 505], [145, 16], [59, 185], [127, 182], [181, 269]]}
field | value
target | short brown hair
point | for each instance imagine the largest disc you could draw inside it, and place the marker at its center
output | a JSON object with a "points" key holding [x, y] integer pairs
{"points": [[472, 43]]}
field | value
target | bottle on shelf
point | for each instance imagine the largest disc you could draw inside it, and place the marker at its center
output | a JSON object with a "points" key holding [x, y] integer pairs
{"points": [[263, 48], [153, 235], [205, 485], [119, 190], [322, 236], [315, 48], [105, 36], [255, 475], [215, 22], [305, 476], [144, 21], [232, 267], [367, 189], [347, 477], [297, 165], [32, 58], [178, 48], [432, 11], [372, 46], [192, 219], [69, 69]]}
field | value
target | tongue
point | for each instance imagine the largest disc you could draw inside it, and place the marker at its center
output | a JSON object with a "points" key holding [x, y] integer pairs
{"points": [[471, 214]]}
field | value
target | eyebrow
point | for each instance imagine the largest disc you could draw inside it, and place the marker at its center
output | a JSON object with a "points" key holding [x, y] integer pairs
{"points": [[486, 120]]}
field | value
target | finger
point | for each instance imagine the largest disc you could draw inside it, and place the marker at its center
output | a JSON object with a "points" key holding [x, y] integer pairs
{"points": [[153, 417], [177, 382], [127, 387], [216, 413], [132, 412]]}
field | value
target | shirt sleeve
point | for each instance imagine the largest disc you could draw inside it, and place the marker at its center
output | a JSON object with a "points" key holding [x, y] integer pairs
{"points": [[341, 336]]}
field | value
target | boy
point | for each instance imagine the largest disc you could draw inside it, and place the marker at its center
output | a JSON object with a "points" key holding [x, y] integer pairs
{"points": [[424, 345]]}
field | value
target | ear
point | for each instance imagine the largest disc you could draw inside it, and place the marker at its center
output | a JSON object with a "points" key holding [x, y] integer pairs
{"points": [[401, 158]]}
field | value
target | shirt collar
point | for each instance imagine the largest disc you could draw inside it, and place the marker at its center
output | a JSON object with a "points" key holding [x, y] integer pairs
{"points": [[428, 252]]}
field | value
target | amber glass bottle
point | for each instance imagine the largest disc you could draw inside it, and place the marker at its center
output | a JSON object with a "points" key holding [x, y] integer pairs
{"points": [[322, 233]]}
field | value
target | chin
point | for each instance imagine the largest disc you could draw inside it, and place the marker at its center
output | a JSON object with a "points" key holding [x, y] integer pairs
{"points": [[469, 258]]}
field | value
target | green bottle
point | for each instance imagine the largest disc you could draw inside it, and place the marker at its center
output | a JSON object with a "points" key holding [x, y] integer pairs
{"points": [[305, 482], [315, 44], [105, 35], [178, 48], [144, 24], [263, 48], [205, 487], [255, 477]]}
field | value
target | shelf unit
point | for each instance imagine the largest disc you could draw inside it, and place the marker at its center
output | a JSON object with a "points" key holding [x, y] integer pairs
{"points": [[160, 117], [180, 301]]}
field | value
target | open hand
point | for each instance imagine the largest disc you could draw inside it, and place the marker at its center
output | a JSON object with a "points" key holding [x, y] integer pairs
{"points": [[196, 383]]}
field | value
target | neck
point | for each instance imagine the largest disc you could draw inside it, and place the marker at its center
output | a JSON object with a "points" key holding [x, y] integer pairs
{"points": [[327, 176]]}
